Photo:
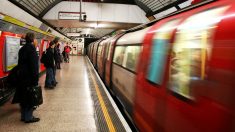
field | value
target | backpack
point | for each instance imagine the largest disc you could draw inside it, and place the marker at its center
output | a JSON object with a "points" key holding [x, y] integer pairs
{"points": [[44, 57], [67, 50]]}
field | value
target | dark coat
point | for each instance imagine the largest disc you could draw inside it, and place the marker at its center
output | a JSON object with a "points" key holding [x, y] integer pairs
{"points": [[28, 72], [57, 55], [50, 63]]}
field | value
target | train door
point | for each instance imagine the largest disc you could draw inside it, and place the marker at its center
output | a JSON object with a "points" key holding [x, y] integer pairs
{"points": [[108, 61], [104, 56], [221, 73], [191, 53], [95, 53], [100, 59], [92, 52], [150, 97]]}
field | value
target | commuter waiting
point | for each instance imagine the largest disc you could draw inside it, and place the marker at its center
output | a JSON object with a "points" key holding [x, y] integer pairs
{"points": [[50, 81], [28, 72], [67, 50], [57, 53], [57, 56]]}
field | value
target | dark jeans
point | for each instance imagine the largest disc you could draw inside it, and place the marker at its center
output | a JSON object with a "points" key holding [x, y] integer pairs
{"points": [[67, 57], [50, 77], [26, 112]]}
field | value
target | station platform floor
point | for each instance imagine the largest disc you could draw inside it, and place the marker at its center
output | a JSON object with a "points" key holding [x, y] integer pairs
{"points": [[78, 103]]}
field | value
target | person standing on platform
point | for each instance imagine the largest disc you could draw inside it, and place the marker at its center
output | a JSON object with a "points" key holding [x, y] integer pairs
{"points": [[67, 50], [57, 56], [50, 81], [28, 70]]}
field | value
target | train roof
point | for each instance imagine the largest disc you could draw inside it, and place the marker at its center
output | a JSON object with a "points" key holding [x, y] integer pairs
{"points": [[133, 37]]}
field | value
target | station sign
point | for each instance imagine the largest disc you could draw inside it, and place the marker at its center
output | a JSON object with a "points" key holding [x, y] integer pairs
{"points": [[69, 15]]}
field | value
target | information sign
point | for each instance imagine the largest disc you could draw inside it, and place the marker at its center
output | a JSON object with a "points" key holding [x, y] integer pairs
{"points": [[12, 47]]}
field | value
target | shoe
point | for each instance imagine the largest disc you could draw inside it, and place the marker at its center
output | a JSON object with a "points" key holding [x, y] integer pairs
{"points": [[22, 120], [54, 84], [34, 119]]}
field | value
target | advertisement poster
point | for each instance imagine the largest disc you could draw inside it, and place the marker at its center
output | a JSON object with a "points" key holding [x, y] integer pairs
{"points": [[12, 47]]}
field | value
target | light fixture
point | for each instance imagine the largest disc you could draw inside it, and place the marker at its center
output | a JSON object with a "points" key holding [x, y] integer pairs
{"points": [[96, 25]]}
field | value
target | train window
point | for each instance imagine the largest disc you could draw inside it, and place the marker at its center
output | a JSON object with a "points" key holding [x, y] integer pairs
{"points": [[160, 51], [119, 54], [191, 51], [131, 57]]}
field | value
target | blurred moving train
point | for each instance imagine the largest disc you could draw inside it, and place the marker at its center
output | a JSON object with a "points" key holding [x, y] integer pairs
{"points": [[178, 74]]}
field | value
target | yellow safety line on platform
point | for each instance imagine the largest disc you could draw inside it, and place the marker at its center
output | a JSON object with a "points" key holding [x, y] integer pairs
{"points": [[103, 107]]}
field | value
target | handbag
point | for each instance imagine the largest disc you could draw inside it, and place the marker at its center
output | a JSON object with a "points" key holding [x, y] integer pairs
{"points": [[34, 95]]}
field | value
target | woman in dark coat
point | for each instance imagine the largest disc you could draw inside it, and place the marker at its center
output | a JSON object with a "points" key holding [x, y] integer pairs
{"points": [[50, 81], [28, 75], [57, 56]]}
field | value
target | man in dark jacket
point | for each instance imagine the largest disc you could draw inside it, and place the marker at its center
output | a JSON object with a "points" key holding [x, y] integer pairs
{"points": [[57, 56], [57, 53], [56, 42], [50, 81], [29, 76]]}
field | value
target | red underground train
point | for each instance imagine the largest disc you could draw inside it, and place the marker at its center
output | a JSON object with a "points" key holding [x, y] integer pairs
{"points": [[176, 75]]}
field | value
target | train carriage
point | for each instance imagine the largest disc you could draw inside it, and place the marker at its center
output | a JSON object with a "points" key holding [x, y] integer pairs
{"points": [[182, 82], [101, 56], [95, 52], [92, 52], [108, 58], [180, 77], [126, 55]]}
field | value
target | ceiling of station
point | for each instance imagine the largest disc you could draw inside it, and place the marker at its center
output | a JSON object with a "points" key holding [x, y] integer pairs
{"points": [[97, 29], [155, 5], [86, 32], [108, 1], [152, 7], [36, 6], [40, 7]]}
